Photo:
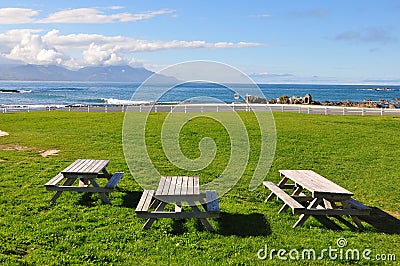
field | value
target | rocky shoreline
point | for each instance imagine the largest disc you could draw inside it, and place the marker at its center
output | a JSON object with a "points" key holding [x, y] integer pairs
{"points": [[307, 100]]}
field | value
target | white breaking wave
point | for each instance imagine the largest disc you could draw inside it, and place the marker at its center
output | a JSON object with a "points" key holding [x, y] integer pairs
{"points": [[123, 102]]}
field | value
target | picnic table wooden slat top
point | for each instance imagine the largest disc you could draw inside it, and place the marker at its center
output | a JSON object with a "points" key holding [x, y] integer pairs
{"points": [[314, 182], [178, 185], [86, 166]]}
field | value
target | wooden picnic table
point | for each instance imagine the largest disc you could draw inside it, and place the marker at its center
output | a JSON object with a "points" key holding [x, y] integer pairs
{"points": [[313, 194], [178, 190], [86, 171]]}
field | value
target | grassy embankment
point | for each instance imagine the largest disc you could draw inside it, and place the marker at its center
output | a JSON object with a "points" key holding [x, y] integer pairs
{"points": [[359, 153]]}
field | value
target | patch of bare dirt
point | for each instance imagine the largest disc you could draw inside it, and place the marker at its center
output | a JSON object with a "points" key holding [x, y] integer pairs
{"points": [[49, 153], [394, 213], [14, 147], [3, 133]]}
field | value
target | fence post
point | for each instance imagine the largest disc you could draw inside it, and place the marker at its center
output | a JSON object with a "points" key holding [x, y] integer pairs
{"points": [[299, 109], [155, 108], [308, 110], [217, 108], [88, 108], [105, 109], [140, 108], [362, 111], [344, 110], [185, 108], [381, 111], [282, 108], [326, 110]]}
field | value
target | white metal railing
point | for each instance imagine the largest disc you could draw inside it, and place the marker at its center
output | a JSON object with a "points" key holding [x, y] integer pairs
{"points": [[186, 108]]}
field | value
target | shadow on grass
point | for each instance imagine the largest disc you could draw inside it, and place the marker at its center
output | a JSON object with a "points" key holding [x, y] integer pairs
{"points": [[178, 227], [382, 221], [131, 198], [244, 225], [86, 200]]}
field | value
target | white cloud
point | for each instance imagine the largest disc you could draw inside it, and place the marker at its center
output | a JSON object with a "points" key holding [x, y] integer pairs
{"points": [[130, 45], [261, 16], [127, 17], [31, 49], [11, 38], [115, 7], [17, 15], [77, 15], [97, 55], [40, 47]]}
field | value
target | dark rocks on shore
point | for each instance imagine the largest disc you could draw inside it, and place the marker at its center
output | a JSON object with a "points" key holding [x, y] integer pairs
{"points": [[307, 99], [10, 91]]}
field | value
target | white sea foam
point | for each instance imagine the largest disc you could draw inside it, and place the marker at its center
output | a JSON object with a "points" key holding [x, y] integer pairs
{"points": [[32, 106], [123, 102]]}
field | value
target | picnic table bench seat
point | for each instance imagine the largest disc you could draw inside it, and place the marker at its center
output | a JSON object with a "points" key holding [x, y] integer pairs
{"points": [[287, 199], [358, 205], [212, 201], [54, 181], [144, 203], [113, 181]]}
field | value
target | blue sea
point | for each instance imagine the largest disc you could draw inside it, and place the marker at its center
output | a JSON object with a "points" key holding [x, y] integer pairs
{"points": [[98, 93]]}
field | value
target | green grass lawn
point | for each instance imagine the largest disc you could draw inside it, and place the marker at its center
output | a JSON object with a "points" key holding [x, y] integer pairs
{"points": [[359, 153]]}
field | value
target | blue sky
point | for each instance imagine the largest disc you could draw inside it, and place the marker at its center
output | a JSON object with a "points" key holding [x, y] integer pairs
{"points": [[285, 41]]}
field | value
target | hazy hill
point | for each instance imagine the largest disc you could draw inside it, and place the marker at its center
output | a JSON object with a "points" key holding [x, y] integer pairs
{"points": [[91, 73]]}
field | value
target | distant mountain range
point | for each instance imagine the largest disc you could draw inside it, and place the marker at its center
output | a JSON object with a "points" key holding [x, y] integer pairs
{"points": [[92, 73]]}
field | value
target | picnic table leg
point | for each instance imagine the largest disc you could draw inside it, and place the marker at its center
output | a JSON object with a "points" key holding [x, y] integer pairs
{"points": [[296, 192], [204, 221], [280, 184], [84, 182], [304, 217], [329, 204], [106, 173], [103, 195], [178, 208], [150, 221], [347, 205], [68, 182]]}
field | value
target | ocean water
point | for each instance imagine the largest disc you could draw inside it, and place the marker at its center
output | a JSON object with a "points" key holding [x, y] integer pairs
{"points": [[98, 93]]}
